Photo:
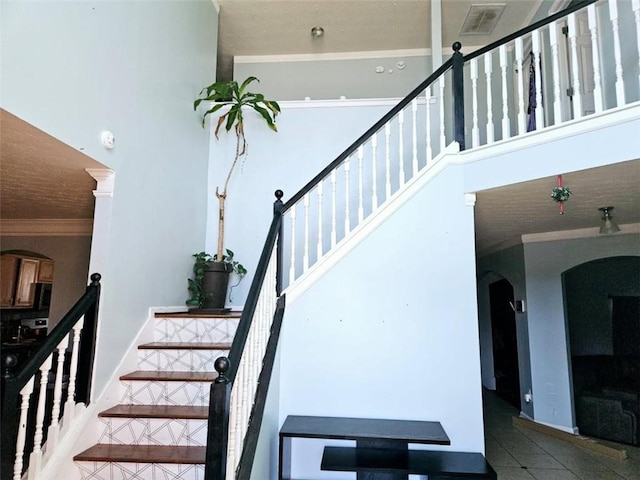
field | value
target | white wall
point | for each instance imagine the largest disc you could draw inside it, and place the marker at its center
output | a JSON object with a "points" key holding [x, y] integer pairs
{"points": [[545, 262], [310, 135], [74, 69], [391, 331]]}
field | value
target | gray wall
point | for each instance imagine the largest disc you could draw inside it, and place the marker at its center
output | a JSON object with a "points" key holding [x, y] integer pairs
{"points": [[71, 257], [74, 69], [545, 264]]}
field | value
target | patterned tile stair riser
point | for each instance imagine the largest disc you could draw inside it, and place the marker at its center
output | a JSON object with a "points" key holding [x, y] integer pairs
{"points": [[159, 429]]}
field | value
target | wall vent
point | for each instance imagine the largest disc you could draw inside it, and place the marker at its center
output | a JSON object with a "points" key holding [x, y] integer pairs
{"points": [[482, 18]]}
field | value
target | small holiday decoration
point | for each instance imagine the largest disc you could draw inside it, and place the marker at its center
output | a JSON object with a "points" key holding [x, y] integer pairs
{"points": [[561, 194]]}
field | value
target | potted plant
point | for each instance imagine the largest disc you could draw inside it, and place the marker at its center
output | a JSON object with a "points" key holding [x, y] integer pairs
{"points": [[228, 98], [208, 287]]}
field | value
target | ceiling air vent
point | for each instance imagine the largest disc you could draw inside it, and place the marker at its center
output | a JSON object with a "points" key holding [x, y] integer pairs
{"points": [[482, 18]]}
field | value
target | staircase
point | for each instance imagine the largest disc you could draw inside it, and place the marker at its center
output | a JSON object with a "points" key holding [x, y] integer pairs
{"points": [[159, 429]]}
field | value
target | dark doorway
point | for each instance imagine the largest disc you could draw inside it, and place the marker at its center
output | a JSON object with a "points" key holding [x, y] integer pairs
{"points": [[505, 342]]}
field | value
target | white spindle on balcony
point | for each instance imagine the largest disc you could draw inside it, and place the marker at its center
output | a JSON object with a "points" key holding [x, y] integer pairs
{"points": [[401, 176], [334, 235], [414, 136], [522, 113], [575, 67], [475, 130], [374, 172], [319, 249], [555, 60], [539, 111], [506, 123], [635, 5], [305, 257], [292, 260], [360, 188], [488, 71], [617, 53], [347, 197], [387, 159], [429, 152], [595, 57]]}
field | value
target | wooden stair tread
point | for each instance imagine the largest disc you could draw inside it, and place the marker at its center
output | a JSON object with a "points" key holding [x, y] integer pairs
{"points": [[157, 411], [184, 345], [170, 376], [232, 314], [143, 454]]}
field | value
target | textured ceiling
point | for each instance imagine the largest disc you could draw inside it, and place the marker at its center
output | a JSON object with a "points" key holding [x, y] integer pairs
{"points": [[41, 177]]}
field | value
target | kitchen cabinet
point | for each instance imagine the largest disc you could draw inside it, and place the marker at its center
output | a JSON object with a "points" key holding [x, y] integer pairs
{"points": [[8, 276], [19, 276], [26, 286], [45, 271]]}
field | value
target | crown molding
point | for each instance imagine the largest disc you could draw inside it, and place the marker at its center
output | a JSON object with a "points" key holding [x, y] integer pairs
{"points": [[627, 228], [46, 227]]}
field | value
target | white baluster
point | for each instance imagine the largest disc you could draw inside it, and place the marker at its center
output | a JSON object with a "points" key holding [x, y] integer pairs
{"points": [[414, 135], [555, 57], [575, 66], [535, 41], [53, 434], [70, 404], [292, 258], [443, 140], [333, 209], [635, 5], [522, 116], [35, 460], [25, 394], [347, 199], [233, 433], [401, 176], [305, 257], [429, 152], [374, 171], [488, 71], [360, 192], [595, 55], [475, 130], [613, 14], [387, 160], [506, 122], [319, 246]]}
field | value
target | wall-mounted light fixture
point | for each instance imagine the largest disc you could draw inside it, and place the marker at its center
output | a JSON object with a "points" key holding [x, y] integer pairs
{"points": [[608, 225], [317, 32]]}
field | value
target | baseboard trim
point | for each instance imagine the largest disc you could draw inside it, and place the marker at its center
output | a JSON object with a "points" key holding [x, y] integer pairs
{"points": [[577, 440]]}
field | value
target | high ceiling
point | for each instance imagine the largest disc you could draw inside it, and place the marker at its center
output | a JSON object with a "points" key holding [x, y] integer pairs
{"points": [[270, 27]]}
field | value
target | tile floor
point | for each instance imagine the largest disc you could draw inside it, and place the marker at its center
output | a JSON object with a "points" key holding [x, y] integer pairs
{"points": [[518, 453]]}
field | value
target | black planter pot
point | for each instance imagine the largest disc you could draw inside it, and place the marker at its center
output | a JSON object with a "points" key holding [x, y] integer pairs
{"points": [[216, 281]]}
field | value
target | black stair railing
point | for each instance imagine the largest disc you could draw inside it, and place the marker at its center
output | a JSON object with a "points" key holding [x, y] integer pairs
{"points": [[24, 409]]}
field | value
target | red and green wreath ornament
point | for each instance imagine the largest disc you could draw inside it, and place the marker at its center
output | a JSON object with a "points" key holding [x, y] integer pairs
{"points": [[561, 194]]}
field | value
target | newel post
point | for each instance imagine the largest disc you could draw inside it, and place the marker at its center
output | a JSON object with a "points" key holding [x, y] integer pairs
{"points": [[278, 207], [87, 349], [458, 94], [215, 467]]}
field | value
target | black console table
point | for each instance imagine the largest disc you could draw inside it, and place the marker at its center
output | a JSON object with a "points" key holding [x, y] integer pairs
{"points": [[394, 435]]}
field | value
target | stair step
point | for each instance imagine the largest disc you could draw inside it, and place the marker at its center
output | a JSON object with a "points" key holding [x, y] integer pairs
{"points": [[155, 376], [184, 345], [142, 454], [154, 425], [156, 411], [210, 329], [231, 314], [146, 387]]}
